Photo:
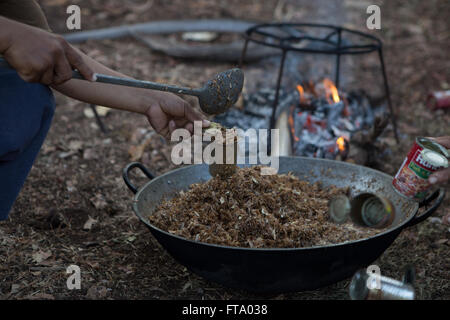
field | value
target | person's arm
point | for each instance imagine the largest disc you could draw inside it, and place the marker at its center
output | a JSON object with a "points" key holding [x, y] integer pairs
{"points": [[441, 176], [165, 111], [38, 55]]}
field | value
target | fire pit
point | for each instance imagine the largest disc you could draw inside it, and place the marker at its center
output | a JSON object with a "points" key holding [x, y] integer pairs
{"points": [[320, 118], [322, 123]]}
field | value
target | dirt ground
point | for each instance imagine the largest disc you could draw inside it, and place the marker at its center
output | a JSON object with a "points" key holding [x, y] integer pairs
{"points": [[75, 208]]}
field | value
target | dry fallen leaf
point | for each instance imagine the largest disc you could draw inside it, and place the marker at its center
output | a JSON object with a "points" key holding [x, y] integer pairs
{"points": [[142, 7], [446, 219], [64, 155], [15, 288], [95, 292], [75, 145], [98, 201], [40, 256], [136, 152], [441, 241], [89, 223], [40, 296], [90, 154], [186, 286]]}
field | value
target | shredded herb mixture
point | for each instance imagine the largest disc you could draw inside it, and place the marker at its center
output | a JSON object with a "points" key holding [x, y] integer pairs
{"points": [[257, 211]]}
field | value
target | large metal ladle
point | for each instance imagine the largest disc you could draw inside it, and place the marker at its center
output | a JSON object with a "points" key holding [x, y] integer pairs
{"points": [[215, 97]]}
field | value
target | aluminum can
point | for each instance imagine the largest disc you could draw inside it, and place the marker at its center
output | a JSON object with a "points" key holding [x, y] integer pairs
{"points": [[377, 287]]}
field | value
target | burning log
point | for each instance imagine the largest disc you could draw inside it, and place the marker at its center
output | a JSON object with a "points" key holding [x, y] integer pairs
{"points": [[333, 125]]}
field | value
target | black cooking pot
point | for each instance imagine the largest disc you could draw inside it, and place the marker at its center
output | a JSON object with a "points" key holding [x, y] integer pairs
{"points": [[284, 269]]}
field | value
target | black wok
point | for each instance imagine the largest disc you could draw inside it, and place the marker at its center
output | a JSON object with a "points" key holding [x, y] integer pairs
{"points": [[285, 269]]}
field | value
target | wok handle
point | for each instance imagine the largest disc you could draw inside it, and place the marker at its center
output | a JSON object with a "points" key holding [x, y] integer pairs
{"points": [[130, 167], [439, 195]]}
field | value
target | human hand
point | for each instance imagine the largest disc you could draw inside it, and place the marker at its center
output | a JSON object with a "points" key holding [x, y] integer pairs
{"points": [[167, 112], [40, 56], [441, 176]]}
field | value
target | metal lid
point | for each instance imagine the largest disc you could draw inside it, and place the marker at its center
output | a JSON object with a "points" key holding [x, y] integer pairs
{"points": [[427, 143], [434, 158], [358, 286], [339, 208], [372, 210]]}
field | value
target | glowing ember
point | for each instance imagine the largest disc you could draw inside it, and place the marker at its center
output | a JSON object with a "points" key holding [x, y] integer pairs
{"points": [[341, 143], [331, 90], [302, 93]]}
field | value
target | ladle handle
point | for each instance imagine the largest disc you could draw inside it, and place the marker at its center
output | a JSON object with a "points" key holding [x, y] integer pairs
{"points": [[103, 78], [127, 170], [439, 196]]}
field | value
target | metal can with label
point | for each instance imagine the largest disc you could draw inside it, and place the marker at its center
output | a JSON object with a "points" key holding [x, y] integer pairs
{"points": [[439, 100], [424, 158]]}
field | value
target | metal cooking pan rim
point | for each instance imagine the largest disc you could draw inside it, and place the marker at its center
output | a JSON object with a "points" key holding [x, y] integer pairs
{"points": [[399, 227]]}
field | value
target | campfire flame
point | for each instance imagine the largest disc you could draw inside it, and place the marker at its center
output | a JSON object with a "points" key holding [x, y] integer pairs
{"points": [[341, 143], [308, 98], [302, 94], [331, 90]]}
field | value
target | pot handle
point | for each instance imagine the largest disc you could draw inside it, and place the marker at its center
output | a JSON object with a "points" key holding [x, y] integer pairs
{"points": [[131, 166], [439, 194]]}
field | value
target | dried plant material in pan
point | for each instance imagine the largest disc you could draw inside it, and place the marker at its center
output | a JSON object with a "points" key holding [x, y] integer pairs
{"points": [[257, 211]]}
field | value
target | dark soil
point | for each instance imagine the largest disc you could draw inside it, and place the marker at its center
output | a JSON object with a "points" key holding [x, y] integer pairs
{"points": [[77, 176]]}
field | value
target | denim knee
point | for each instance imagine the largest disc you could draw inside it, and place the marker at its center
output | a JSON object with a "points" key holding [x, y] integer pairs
{"points": [[24, 108]]}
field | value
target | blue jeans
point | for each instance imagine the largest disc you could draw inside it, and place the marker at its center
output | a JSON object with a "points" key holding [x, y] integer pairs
{"points": [[26, 112]]}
